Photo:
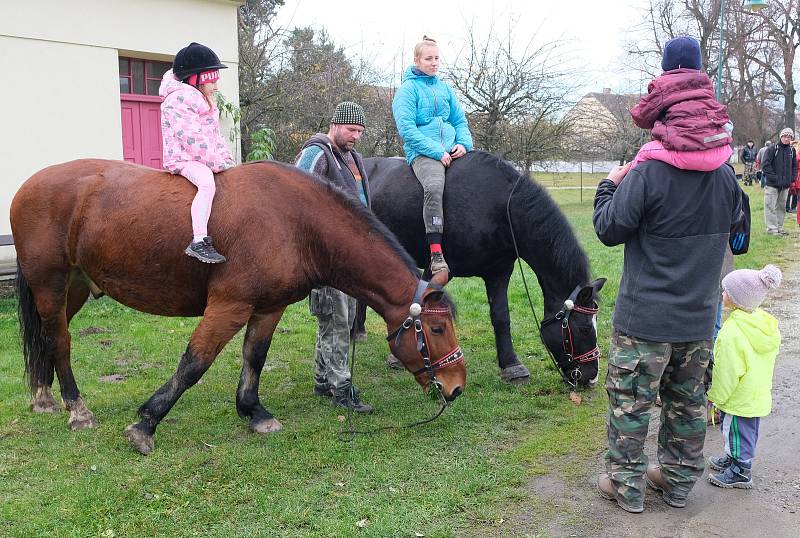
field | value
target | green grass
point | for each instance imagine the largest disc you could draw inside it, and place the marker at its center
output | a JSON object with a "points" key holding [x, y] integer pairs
{"points": [[209, 476]]}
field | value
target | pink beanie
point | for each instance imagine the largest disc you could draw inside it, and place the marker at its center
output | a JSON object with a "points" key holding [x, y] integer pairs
{"points": [[747, 288]]}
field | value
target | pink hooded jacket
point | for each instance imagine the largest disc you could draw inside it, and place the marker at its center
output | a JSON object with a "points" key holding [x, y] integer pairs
{"points": [[190, 128], [682, 112]]}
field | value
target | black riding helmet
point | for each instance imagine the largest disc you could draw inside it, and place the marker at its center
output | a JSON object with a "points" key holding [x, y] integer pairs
{"points": [[194, 59]]}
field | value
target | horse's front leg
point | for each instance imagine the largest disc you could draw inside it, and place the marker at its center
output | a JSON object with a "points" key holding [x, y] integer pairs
{"points": [[512, 371], [221, 321], [254, 353]]}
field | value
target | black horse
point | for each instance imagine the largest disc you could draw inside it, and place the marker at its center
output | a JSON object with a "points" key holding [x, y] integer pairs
{"points": [[478, 242]]}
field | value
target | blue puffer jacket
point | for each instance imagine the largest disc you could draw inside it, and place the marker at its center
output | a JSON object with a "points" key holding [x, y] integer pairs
{"points": [[429, 117]]}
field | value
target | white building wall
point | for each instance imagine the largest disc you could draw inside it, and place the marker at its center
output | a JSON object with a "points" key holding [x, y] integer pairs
{"points": [[60, 74]]}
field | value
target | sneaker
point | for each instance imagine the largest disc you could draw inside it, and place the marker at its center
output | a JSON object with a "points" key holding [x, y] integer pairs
{"points": [[782, 232], [438, 264], [720, 463], [343, 398], [655, 480], [735, 476], [606, 489], [204, 251]]}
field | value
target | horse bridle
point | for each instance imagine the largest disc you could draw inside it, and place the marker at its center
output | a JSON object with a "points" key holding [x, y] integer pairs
{"points": [[450, 358], [572, 361]]}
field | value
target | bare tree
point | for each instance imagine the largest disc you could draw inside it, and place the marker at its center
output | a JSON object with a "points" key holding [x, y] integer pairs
{"points": [[513, 96]]}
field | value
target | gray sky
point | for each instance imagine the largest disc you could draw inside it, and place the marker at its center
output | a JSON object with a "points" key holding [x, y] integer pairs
{"points": [[384, 32]]}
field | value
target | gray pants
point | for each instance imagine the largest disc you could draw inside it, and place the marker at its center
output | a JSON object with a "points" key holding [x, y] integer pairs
{"points": [[774, 208], [430, 173], [335, 312]]}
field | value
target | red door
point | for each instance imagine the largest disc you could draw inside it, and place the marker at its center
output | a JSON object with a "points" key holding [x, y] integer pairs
{"points": [[141, 129]]}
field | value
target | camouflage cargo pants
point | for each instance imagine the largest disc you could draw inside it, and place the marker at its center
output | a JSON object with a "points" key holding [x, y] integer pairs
{"points": [[335, 312], [637, 371]]}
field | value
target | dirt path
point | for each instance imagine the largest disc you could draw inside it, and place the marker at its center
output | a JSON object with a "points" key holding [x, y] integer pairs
{"points": [[771, 509]]}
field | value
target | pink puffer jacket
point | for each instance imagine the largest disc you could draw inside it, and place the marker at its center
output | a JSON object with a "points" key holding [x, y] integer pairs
{"points": [[682, 112], [190, 128]]}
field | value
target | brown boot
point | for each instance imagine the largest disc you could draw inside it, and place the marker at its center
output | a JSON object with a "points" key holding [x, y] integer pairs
{"points": [[606, 489], [438, 264], [656, 481]]}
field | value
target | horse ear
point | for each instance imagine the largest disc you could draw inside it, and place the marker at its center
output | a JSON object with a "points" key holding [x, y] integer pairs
{"points": [[589, 293], [432, 295]]}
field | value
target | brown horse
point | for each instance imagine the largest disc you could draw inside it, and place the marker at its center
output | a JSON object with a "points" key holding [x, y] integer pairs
{"points": [[119, 229]]}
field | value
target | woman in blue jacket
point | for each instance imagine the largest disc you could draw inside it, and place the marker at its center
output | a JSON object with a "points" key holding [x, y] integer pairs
{"points": [[434, 130]]}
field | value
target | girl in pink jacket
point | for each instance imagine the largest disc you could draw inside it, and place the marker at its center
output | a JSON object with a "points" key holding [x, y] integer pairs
{"points": [[691, 130], [193, 145]]}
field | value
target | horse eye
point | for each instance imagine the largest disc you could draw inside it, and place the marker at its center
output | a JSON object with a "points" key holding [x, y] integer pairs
{"points": [[437, 330]]}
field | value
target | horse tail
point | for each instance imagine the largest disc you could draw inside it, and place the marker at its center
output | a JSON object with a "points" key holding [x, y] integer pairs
{"points": [[38, 361]]}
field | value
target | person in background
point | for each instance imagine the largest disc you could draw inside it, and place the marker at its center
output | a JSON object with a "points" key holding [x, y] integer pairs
{"points": [[434, 129], [748, 157], [333, 158], [780, 170], [745, 353]]}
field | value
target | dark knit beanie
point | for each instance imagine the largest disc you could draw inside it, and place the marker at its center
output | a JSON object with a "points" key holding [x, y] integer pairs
{"points": [[348, 113], [682, 52]]}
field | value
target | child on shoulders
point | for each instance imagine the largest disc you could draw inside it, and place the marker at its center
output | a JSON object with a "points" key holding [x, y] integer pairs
{"points": [[691, 130]]}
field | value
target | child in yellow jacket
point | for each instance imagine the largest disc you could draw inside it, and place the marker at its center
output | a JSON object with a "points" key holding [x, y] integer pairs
{"points": [[744, 358]]}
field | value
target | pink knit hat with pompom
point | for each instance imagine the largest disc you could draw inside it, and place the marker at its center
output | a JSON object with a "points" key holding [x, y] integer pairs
{"points": [[747, 288]]}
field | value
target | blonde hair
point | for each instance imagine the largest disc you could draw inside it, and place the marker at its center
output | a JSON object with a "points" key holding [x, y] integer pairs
{"points": [[426, 42]]}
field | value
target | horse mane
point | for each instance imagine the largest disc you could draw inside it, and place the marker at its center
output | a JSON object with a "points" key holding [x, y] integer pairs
{"points": [[543, 219], [353, 206]]}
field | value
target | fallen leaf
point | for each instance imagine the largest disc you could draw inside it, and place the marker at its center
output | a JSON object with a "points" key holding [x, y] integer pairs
{"points": [[93, 467], [209, 446], [392, 489], [339, 484], [419, 535], [341, 418], [362, 523], [575, 398]]}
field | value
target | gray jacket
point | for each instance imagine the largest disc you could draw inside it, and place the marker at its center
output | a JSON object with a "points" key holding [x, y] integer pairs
{"points": [[675, 226]]}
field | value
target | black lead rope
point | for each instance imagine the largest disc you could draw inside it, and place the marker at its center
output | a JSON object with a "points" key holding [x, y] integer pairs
{"points": [[527, 291], [349, 434]]}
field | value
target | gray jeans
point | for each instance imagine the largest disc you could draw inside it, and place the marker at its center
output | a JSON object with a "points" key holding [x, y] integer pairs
{"points": [[774, 208], [430, 173], [335, 312]]}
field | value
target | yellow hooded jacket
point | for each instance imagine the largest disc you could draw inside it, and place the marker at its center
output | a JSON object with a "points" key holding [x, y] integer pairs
{"points": [[744, 358]]}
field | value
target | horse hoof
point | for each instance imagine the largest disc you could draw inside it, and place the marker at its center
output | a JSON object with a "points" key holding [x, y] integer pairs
{"points": [[516, 375], [266, 426], [44, 402], [140, 440], [82, 422], [393, 362]]}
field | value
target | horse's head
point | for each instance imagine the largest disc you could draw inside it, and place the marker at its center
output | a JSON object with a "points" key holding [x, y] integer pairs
{"points": [[426, 342], [571, 335]]}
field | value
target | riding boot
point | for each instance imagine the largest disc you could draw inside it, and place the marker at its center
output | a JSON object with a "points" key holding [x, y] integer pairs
{"points": [[348, 398], [438, 264], [204, 251]]}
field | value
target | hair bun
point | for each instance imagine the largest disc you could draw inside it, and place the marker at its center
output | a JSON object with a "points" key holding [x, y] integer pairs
{"points": [[771, 276]]}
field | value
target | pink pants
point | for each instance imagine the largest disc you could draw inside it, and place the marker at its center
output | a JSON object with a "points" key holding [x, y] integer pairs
{"points": [[201, 177], [704, 160]]}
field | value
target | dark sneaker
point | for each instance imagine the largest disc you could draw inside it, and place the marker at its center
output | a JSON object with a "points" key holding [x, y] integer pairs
{"points": [[204, 251], [323, 389], [656, 481], [735, 476], [438, 264], [344, 398], [606, 489], [783, 232], [720, 463]]}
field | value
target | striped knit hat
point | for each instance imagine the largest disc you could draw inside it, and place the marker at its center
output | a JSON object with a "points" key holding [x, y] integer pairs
{"points": [[747, 288], [349, 113]]}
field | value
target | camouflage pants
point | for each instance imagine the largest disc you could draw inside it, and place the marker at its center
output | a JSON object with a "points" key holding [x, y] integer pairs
{"points": [[637, 371], [335, 312]]}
